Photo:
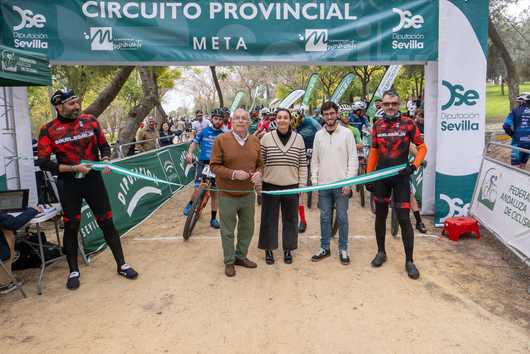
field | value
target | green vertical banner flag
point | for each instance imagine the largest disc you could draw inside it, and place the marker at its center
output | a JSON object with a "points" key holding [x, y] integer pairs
{"points": [[291, 98], [122, 32], [386, 84], [260, 89], [310, 88], [133, 199], [342, 87], [237, 101]]}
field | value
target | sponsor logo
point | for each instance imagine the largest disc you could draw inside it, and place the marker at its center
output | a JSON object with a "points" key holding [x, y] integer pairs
{"points": [[407, 20], [24, 35], [408, 40], [9, 61], [488, 189], [28, 19], [102, 39], [127, 186], [459, 95], [317, 40], [457, 207]]}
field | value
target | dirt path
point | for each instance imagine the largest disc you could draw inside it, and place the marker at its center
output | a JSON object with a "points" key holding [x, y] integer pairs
{"points": [[471, 297]]}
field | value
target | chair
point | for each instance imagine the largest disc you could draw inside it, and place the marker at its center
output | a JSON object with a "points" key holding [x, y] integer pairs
{"points": [[6, 267]]}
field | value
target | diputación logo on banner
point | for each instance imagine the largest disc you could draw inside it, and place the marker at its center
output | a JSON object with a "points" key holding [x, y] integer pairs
{"points": [[409, 22], [29, 32], [459, 120]]}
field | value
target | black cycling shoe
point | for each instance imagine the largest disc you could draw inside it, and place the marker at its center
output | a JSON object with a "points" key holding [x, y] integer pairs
{"points": [[73, 281], [421, 227], [302, 227], [269, 257], [287, 257], [412, 271], [127, 271], [321, 255], [379, 259]]}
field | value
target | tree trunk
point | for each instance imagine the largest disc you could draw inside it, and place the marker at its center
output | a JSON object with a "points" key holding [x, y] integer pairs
{"points": [[110, 92], [135, 116], [511, 72], [217, 86], [502, 87]]}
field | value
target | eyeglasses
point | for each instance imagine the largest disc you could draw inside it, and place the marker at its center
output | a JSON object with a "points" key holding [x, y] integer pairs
{"points": [[388, 104]]}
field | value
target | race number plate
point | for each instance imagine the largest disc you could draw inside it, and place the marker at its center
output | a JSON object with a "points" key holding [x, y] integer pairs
{"points": [[207, 172]]}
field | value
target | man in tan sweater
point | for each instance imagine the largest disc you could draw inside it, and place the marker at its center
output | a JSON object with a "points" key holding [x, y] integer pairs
{"points": [[235, 160]]}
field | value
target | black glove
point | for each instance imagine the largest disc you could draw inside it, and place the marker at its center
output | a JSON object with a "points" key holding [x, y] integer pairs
{"points": [[407, 171], [369, 187]]}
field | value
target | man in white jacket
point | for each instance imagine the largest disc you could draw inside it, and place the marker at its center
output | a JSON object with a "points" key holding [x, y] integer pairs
{"points": [[334, 158]]}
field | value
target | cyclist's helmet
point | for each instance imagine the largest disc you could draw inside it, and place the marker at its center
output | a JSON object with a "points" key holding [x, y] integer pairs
{"points": [[379, 113], [344, 108], [303, 108], [358, 106], [265, 111], [298, 118], [273, 125], [218, 112], [226, 110], [62, 96], [524, 97]]}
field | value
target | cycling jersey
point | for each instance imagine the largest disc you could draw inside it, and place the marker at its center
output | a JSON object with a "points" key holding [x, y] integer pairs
{"points": [[307, 130], [356, 134], [359, 122], [71, 140], [197, 126], [392, 138], [205, 140]]}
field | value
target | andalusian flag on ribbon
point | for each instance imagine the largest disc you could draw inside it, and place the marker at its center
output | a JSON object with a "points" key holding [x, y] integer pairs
{"points": [[342, 87], [310, 88], [362, 179], [237, 101]]}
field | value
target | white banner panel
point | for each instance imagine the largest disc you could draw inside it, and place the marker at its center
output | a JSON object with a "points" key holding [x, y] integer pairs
{"points": [[501, 202]]}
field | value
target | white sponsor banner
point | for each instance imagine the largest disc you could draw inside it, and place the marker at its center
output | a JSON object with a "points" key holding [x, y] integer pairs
{"points": [[291, 98], [461, 112], [501, 202]]}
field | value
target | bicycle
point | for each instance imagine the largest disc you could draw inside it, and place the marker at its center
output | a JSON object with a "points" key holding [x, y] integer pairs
{"points": [[200, 201], [360, 187]]}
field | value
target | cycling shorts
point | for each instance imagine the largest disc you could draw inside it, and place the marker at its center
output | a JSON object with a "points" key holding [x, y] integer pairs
{"points": [[519, 157], [198, 172], [397, 187]]}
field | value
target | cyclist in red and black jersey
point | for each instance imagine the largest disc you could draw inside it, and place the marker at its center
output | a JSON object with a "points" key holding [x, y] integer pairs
{"points": [[74, 137], [391, 138]]}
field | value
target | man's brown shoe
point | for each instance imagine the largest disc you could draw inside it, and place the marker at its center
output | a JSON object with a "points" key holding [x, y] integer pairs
{"points": [[230, 270], [245, 263]]}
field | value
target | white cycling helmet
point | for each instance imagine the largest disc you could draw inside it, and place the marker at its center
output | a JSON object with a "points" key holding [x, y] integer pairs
{"points": [[358, 105], [379, 113], [273, 125], [344, 108], [525, 96], [265, 111]]}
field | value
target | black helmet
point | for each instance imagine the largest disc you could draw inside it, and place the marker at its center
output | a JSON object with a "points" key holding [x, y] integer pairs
{"points": [[62, 96], [218, 112]]}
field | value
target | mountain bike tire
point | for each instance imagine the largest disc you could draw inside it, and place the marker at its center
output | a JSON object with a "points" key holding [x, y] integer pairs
{"points": [[195, 213]]}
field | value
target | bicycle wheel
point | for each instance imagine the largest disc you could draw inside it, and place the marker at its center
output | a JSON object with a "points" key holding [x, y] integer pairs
{"points": [[394, 223], [194, 214], [335, 226], [361, 195], [309, 194], [372, 203]]}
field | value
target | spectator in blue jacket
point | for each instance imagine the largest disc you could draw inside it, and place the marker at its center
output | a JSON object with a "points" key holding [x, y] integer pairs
{"points": [[517, 126]]}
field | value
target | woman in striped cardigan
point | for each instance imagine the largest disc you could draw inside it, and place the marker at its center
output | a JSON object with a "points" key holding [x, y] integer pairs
{"points": [[284, 167]]}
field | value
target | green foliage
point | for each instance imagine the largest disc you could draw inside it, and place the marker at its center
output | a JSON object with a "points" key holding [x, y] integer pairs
{"points": [[497, 105]]}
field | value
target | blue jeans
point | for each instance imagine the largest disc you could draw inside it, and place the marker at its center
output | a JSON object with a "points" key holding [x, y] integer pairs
{"points": [[326, 200]]}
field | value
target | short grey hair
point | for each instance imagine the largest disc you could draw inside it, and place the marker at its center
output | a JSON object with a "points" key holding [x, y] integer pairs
{"points": [[241, 110], [391, 93]]}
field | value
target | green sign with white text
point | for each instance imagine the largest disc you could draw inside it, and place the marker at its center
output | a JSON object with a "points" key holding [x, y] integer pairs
{"points": [[120, 31], [133, 199]]}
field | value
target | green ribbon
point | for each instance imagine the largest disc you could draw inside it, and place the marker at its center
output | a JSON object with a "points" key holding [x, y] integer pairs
{"points": [[362, 179]]}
